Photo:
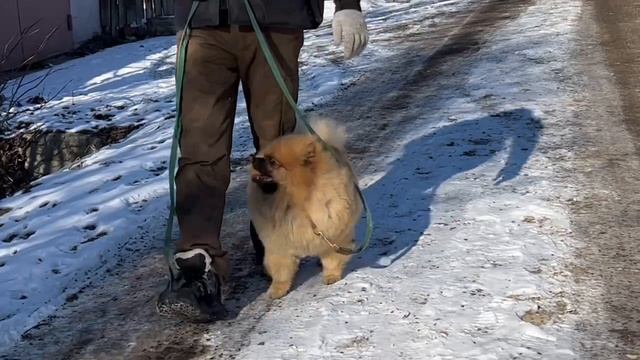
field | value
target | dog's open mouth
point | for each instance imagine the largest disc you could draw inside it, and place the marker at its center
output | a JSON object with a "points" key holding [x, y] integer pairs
{"points": [[266, 183], [262, 179]]}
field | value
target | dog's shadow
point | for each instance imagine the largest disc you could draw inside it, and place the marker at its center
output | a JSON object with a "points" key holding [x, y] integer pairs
{"points": [[400, 201]]}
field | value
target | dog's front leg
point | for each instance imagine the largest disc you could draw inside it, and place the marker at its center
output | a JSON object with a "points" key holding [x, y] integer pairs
{"points": [[282, 269], [333, 265]]}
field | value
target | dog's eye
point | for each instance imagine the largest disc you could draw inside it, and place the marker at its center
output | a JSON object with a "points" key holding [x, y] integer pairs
{"points": [[273, 162]]}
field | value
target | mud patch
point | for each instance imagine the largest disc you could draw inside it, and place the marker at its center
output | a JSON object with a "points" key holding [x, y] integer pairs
{"points": [[96, 237], [537, 317], [27, 235], [89, 227], [9, 238]]}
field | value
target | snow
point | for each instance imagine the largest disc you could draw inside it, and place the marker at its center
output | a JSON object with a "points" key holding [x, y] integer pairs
{"points": [[60, 235], [474, 232], [477, 242]]}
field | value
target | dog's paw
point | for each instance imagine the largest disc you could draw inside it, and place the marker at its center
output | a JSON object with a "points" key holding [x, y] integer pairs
{"points": [[331, 279], [278, 290]]}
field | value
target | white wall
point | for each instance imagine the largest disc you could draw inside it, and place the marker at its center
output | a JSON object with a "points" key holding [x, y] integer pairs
{"points": [[86, 19]]}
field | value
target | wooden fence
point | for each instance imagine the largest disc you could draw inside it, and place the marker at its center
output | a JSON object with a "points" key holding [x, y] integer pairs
{"points": [[131, 17]]}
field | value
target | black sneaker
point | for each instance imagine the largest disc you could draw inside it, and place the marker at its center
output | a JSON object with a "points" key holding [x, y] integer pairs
{"points": [[195, 294]]}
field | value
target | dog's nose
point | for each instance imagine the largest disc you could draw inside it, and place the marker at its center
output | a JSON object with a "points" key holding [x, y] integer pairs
{"points": [[259, 163]]}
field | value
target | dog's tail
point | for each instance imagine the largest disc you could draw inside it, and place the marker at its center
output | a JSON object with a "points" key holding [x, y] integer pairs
{"points": [[331, 132]]}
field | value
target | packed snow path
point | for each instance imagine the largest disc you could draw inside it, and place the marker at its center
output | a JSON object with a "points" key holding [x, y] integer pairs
{"points": [[465, 131]]}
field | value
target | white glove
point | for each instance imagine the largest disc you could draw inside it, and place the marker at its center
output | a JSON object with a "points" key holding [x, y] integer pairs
{"points": [[350, 30]]}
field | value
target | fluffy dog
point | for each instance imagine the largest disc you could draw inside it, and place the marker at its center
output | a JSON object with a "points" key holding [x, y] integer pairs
{"points": [[299, 189]]}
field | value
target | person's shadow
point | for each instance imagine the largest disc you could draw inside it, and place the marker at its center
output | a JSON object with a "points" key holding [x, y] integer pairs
{"points": [[401, 200]]}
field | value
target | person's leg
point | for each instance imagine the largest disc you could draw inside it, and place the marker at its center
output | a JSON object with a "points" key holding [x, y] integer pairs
{"points": [[269, 113], [208, 110]]}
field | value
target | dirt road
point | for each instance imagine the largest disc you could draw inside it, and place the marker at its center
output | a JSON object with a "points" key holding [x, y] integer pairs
{"points": [[607, 213]]}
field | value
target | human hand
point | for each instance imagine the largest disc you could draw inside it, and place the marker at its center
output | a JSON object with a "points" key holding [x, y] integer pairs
{"points": [[350, 30]]}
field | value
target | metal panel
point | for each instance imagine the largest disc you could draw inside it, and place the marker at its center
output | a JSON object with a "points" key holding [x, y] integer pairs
{"points": [[9, 30], [50, 15]]}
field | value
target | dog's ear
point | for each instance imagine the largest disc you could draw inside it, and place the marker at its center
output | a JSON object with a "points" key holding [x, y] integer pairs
{"points": [[310, 153]]}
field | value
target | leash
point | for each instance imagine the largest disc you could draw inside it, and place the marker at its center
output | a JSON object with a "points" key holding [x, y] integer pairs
{"points": [[337, 248], [300, 116], [175, 141]]}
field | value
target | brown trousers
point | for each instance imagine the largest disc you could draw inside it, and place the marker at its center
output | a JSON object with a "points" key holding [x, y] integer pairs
{"points": [[218, 60]]}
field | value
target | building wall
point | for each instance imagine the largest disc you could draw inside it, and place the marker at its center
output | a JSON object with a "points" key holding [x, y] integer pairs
{"points": [[9, 28], [85, 15], [50, 15]]}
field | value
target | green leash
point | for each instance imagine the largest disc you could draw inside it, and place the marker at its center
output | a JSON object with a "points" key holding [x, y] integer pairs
{"points": [[175, 142], [300, 116]]}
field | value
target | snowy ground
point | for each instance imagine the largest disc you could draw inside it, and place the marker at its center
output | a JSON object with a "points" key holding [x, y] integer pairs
{"points": [[64, 231], [474, 220], [472, 228]]}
